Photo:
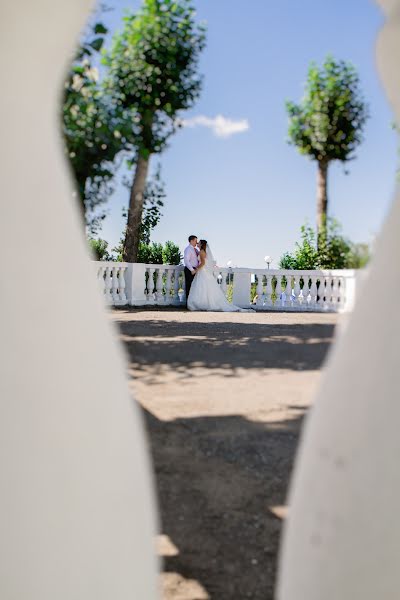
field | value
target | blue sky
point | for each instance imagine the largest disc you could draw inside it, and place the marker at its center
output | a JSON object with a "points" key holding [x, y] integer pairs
{"points": [[249, 193]]}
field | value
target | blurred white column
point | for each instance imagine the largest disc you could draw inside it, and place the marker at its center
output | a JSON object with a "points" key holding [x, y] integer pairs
{"points": [[342, 539], [77, 511]]}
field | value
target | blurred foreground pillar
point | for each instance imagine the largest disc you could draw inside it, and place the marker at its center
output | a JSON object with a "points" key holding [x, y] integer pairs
{"points": [[76, 510], [342, 539]]}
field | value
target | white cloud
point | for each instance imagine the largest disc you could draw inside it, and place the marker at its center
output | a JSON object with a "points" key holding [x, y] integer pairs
{"points": [[220, 125]]}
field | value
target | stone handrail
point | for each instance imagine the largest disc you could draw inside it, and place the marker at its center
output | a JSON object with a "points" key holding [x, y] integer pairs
{"points": [[139, 284]]}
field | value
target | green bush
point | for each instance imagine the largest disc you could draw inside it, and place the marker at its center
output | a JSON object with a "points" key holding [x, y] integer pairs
{"points": [[327, 250], [159, 254], [156, 253], [288, 261], [151, 254], [171, 254]]}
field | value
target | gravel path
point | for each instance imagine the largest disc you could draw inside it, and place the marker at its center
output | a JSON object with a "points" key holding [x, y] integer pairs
{"points": [[223, 396]]}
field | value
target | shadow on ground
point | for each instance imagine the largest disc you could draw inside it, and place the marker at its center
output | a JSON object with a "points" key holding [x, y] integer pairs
{"points": [[226, 345], [220, 478], [218, 481]]}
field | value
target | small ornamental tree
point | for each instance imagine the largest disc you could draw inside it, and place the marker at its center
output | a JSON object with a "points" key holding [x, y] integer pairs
{"points": [[152, 71], [328, 123]]}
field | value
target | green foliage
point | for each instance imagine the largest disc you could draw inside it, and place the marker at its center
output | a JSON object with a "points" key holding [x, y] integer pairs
{"points": [[159, 254], [306, 253], [171, 254], [329, 250], [288, 261], [151, 75], [328, 124], [94, 129], [152, 253], [99, 248], [152, 69], [333, 249]]}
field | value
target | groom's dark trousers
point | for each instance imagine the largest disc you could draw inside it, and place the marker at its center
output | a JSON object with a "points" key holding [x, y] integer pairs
{"points": [[188, 281]]}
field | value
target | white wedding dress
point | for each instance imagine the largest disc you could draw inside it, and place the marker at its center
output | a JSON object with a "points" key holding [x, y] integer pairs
{"points": [[205, 292]]}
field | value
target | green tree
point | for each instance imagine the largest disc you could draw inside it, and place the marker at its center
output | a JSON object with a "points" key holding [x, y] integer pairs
{"points": [[305, 255], [91, 128], [171, 254], [334, 250], [99, 248], [328, 249], [328, 124], [152, 69], [288, 261], [151, 254]]}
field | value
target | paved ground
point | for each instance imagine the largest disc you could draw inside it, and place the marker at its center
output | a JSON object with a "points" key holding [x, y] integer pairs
{"points": [[223, 396]]}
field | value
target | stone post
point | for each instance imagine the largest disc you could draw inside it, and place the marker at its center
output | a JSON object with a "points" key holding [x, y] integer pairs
{"points": [[241, 289], [135, 284]]}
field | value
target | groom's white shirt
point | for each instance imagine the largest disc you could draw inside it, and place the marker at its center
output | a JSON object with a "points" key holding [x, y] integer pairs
{"points": [[190, 258]]}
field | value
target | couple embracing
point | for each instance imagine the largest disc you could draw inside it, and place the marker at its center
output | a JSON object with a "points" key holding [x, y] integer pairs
{"points": [[202, 289]]}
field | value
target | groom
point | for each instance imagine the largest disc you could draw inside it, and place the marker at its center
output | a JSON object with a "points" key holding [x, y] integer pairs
{"points": [[191, 260]]}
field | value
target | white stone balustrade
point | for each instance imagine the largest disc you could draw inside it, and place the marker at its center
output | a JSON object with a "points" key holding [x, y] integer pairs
{"points": [[112, 281], [262, 289]]}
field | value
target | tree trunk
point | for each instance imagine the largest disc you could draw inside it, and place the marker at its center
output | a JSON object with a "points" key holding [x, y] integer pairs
{"points": [[322, 195], [131, 245]]}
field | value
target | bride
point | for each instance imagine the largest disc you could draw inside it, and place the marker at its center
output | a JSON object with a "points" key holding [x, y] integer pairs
{"points": [[205, 292]]}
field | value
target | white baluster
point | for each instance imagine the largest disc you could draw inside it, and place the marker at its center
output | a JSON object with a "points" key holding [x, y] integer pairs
{"points": [[185, 297], [259, 289], [159, 285], [168, 285], [122, 285], [279, 291], [224, 285], [115, 285], [328, 292], [296, 289], [268, 291], [321, 293], [100, 279], [147, 283], [150, 286], [288, 291], [341, 292], [305, 292], [108, 286], [176, 299], [313, 291], [335, 292]]}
